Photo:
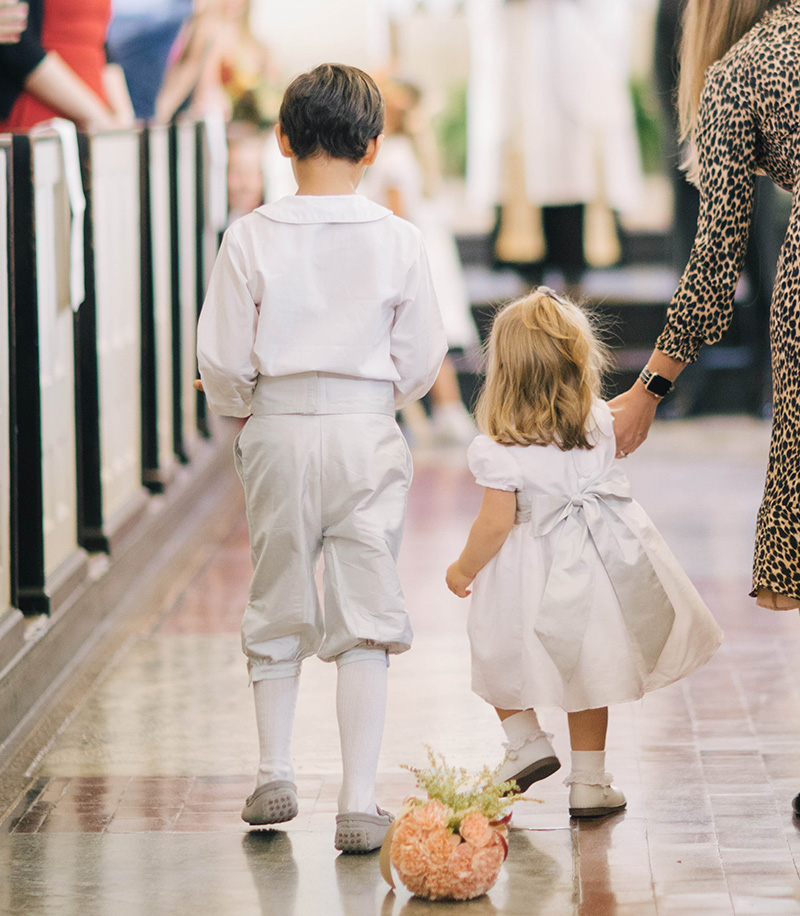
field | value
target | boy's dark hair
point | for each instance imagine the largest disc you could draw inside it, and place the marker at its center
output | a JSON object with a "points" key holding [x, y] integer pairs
{"points": [[334, 110]]}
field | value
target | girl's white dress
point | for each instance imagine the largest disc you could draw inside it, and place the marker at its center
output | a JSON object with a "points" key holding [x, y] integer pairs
{"points": [[584, 605]]}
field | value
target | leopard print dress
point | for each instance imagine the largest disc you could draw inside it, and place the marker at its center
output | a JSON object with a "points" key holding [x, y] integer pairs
{"points": [[749, 121]]}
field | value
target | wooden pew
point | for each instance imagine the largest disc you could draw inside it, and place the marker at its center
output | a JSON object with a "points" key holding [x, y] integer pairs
{"points": [[111, 496], [183, 237], [11, 620], [50, 563], [159, 460]]}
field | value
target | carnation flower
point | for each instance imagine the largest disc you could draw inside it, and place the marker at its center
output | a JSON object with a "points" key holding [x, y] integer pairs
{"points": [[411, 856], [438, 884], [441, 843], [475, 828], [431, 815]]}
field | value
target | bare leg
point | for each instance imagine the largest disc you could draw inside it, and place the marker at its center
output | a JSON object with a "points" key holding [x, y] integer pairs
{"points": [[451, 420], [505, 713], [445, 389], [591, 793], [587, 729]]}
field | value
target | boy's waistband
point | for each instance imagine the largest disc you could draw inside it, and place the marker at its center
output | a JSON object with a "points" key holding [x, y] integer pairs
{"points": [[320, 393]]}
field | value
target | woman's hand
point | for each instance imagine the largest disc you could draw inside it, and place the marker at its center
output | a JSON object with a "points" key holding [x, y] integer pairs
{"points": [[633, 411], [457, 582]]}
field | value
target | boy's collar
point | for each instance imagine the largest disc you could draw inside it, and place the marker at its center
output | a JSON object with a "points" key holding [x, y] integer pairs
{"points": [[334, 208]]}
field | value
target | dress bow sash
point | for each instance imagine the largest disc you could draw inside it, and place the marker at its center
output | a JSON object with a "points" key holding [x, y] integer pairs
{"points": [[593, 514]]}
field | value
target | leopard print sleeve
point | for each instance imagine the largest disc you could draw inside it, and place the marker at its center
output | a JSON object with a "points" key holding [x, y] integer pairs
{"points": [[702, 306]]}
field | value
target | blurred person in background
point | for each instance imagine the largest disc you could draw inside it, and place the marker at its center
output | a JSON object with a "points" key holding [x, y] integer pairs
{"points": [[218, 65], [571, 158], [59, 68], [245, 170], [406, 178], [739, 104], [140, 36]]}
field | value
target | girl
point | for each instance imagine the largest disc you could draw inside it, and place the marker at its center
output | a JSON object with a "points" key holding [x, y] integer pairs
{"points": [[578, 602]]}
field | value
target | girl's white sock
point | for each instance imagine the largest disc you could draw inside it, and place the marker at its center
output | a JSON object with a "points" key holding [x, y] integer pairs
{"points": [[360, 709], [589, 769], [520, 727], [276, 699]]}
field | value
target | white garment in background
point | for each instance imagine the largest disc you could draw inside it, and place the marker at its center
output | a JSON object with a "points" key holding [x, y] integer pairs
{"points": [[330, 284], [397, 167], [557, 78], [561, 498]]}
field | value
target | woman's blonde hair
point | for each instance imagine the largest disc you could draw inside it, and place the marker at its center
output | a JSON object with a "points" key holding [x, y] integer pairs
{"points": [[710, 29], [544, 369]]}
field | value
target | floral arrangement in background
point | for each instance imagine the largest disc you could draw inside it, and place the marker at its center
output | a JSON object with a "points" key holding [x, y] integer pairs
{"points": [[452, 844]]}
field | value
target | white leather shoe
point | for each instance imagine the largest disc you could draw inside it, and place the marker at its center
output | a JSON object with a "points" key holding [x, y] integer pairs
{"points": [[531, 761], [594, 801]]}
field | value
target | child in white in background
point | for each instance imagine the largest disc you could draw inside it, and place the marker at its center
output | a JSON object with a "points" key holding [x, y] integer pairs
{"points": [[405, 179], [320, 320], [578, 602], [245, 171]]}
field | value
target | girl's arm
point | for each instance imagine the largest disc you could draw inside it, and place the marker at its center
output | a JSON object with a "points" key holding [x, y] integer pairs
{"points": [[394, 201], [487, 536]]}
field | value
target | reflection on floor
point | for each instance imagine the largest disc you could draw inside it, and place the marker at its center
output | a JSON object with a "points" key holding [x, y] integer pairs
{"points": [[134, 807]]}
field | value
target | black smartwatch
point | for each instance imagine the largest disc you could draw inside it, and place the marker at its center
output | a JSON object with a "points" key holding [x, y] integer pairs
{"points": [[657, 385]]}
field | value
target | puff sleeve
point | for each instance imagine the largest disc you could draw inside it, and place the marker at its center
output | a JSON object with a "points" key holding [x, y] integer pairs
{"points": [[493, 465]]}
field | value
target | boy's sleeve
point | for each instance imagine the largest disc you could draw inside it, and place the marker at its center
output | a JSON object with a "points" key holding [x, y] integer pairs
{"points": [[226, 334], [418, 340]]}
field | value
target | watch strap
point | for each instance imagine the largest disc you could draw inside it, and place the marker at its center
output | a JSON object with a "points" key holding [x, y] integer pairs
{"points": [[654, 383]]}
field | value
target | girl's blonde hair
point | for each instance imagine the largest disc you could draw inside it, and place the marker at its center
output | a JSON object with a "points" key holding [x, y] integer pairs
{"points": [[545, 365], [710, 29]]}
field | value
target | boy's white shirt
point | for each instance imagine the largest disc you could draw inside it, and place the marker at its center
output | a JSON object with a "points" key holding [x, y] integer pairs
{"points": [[333, 284]]}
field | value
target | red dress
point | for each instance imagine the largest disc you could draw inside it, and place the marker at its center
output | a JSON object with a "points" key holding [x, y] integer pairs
{"points": [[76, 30]]}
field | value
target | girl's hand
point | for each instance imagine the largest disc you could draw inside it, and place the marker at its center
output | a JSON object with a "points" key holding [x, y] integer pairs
{"points": [[198, 385], [633, 411], [457, 582]]}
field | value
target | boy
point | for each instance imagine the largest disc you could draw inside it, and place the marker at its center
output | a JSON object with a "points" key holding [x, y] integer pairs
{"points": [[319, 322]]}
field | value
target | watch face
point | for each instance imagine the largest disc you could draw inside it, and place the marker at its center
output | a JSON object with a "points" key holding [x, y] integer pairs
{"points": [[658, 385]]}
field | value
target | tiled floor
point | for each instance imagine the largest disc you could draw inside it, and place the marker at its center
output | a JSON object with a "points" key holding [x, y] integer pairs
{"points": [[134, 806]]}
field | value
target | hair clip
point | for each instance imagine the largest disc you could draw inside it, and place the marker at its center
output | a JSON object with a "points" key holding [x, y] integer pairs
{"points": [[546, 291]]}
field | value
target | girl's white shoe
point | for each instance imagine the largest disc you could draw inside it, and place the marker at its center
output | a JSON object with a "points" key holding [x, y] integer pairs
{"points": [[594, 801], [529, 761]]}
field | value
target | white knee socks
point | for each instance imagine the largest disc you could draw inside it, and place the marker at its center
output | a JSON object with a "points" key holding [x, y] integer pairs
{"points": [[360, 709], [275, 700]]}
